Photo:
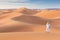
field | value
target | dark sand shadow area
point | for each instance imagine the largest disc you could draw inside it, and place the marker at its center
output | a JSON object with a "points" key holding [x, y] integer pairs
{"points": [[16, 28], [30, 19]]}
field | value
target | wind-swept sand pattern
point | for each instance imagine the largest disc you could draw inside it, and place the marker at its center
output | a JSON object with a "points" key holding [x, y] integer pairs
{"points": [[29, 24]]}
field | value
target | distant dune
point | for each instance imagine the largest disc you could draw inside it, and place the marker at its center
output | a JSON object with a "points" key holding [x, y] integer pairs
{"points": [[52, 14], [29, 20]]}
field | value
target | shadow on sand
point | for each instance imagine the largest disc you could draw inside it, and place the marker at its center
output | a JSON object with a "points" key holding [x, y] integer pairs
{"points": [[30, 19], [16, 28]]}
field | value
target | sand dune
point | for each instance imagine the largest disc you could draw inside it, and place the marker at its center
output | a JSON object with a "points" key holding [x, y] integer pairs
{"points": [[29, 36], [30, 19], [29, 24], [26, 11], [12, 19], [49, 14]]}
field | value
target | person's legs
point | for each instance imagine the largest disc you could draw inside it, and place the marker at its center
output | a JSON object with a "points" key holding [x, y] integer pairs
{"points": [[47, 29]]}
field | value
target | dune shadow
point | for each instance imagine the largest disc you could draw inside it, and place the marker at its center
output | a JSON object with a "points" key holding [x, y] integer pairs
{"points": [[16, 28], [30, 19]]}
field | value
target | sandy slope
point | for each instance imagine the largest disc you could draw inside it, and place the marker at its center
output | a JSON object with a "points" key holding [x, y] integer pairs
{"points": [[14, 24], [29, 36], [49, 14]]}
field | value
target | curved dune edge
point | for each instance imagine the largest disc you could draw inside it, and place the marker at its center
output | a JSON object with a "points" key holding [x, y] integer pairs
{"points": [[28, 20], [49, 14]]}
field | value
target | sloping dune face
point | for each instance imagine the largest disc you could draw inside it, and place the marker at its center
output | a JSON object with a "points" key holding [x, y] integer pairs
{"points": [[27, 20], [52, 14], [20, 20], [26, 11], [30, 19]]}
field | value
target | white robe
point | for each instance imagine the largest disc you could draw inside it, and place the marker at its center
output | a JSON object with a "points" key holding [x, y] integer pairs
{"points": [[47, 27]]}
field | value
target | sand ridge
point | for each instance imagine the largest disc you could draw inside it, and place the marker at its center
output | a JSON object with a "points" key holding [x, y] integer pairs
{"points": [[29, 23], [18, 16]]}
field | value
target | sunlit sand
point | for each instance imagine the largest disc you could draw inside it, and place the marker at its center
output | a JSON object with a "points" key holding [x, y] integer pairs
{"points": [[28, 24]]}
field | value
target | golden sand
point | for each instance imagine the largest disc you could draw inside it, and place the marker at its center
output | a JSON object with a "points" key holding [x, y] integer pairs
{"points": [[28, 24]]}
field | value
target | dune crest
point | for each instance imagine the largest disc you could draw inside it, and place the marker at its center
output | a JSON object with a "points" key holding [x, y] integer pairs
{"points": [[52, 14], [28, 20]]}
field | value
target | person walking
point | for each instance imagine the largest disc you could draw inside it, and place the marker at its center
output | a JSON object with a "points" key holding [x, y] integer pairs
{"points": [[48, 27]]}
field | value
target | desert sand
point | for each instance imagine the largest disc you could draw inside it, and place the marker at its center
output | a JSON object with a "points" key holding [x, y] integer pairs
{"points": [[29, 24]]}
